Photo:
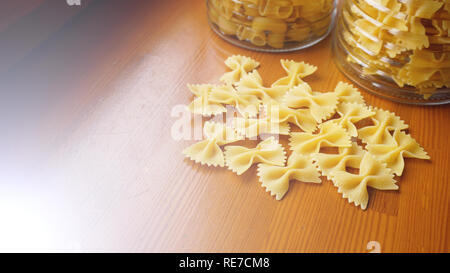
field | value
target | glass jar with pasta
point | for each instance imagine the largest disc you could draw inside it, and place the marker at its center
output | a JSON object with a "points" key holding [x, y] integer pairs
{"points": [[272, 25], [399, 49]]}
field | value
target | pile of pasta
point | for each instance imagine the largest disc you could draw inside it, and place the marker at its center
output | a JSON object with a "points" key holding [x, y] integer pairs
{"points": [[271, 22], [407, 41], [358, 156]]}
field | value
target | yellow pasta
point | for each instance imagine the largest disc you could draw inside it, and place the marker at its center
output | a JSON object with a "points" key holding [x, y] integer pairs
{"points": [[348, 93], [422, 9], [258, 38], [384, 123], [330, 135], [208, 151], [254, 127], [328, 120], [250, 10], [302, 118], [321, 27], [202, 105], [393, 154], [276, 40], [247, 105], [251, 84], [369, 35], [240, 66], [227, 26], [268, 24], [295, 71], [347, 157], [351, 113], [276, 179], [246, 33], [239, 159], [424, 65], [275, 9], [372, 174], [298, 34], [320, 105], [272, 23], [404, 41]]}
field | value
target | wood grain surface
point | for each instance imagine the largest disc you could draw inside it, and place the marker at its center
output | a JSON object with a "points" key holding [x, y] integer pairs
{"points": [[89, 163]]}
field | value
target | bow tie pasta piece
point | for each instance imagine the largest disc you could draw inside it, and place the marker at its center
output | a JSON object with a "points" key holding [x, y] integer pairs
{"points": [[348, 93], [384, 16], [366, 32], [202, 105], [208, 152], [253, 127], [423, 66], [351, 113], [296, 71], [330, 135], [384, 123], [239, 159], [372, 174], [422, 9], [252, 84], [392, 155], [280, 113], [391, 17], [276, 179], [320, 105], [240, 66], [347, 157], [247, 105], [415, 39]]}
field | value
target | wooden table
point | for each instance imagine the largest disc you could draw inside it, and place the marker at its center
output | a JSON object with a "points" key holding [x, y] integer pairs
{"points": [[89, 163]]}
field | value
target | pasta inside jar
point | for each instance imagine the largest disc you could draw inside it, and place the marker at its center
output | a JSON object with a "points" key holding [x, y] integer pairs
{"points": [[399, 49], [272, 25]]}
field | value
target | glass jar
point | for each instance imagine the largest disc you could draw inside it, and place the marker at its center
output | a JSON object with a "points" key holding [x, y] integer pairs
{"points": [[398, 49], [272, 25]]}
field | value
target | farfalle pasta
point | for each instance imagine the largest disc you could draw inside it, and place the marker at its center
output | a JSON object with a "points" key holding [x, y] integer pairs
{"points": [[351, 113], [347, 157], [276, 179], [208, 151], [240, 66], [384, 122], [295, 71], [252, 84], [246, 104], [271, 24], [202, 104], [372, 173], [354, 145], [330, 135], [320, 105], [397, 43], [239, 159], [393, 154], [348, 93], [281, 114], [254, 127]]}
